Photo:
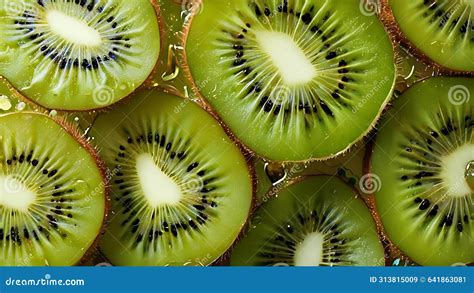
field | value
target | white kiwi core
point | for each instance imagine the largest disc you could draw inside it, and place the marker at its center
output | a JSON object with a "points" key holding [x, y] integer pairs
{"points": [[292, 63], [72, 29], [310, 251], [159, 189], [454, 171], [14, 194]]}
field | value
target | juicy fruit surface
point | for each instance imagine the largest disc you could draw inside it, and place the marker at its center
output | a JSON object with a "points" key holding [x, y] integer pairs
{"points": [[441, 29], [52, 197], [288, 77], [319, 221], [77, 55], [422, 158], [181, 190]]}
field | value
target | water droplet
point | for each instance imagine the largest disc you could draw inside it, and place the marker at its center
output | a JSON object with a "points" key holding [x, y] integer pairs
{"points": [[469, 174], [5, 103], [53, 113], [186, 93], [76, 119], [275, 172], [21, 106], [281, 264], [255, 221], [103, 264], [81, 186], [172, 68], [396, 262]]}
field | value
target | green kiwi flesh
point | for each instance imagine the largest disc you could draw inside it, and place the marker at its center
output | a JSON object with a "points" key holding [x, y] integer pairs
{"points": [[52, 193], [424, 156], [317, 222], [181, 190], [293, 80], [77, 55], [442, 29]]}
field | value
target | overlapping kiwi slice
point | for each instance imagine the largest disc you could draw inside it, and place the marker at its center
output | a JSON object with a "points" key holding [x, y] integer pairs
{"points": [[77, 55], [424, 158], [443, 30], [294, 80], [316, 222], [52, 193], [181, 189]]}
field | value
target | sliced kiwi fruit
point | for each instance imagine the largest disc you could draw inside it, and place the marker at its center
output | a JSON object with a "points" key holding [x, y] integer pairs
{"points": [[442, 30], [294, 80], [181, 190], [78, 55], [316, 222], [52, 193], [424, 160]]}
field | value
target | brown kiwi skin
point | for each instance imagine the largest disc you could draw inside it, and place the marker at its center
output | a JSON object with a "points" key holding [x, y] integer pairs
{"points": [[397, 36], [146, 84], [390, 248], [77, 136], [183, 63], [224, 260]]}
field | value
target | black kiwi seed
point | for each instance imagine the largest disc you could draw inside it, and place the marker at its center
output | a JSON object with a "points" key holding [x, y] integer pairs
{"points": [[459, 226], [139, 238], [173, 230], [26, 233], [192, 166], [331, 55], [192, 224], [448, 220], [424, 204], [433, 211]]}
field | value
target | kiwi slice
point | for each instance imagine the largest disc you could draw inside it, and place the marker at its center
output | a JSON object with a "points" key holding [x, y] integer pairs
{"points": [[294, 80], [52, 193], [78, 55], [316, 222], [424, 158], [443, 30], [181, 190]]}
